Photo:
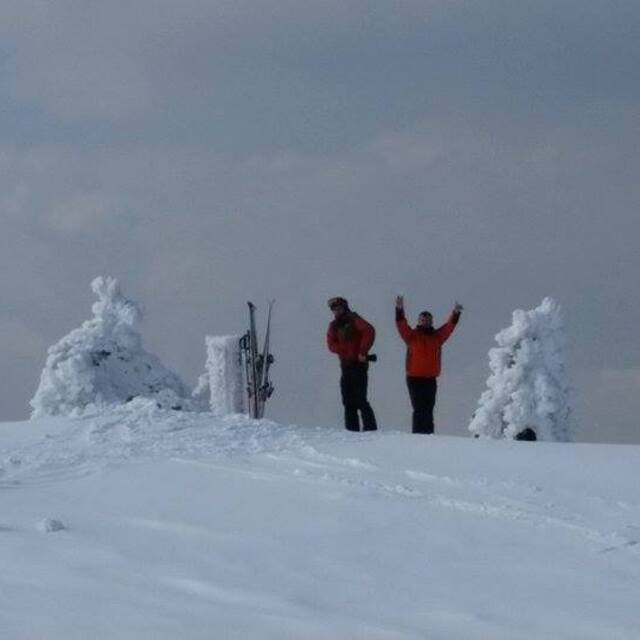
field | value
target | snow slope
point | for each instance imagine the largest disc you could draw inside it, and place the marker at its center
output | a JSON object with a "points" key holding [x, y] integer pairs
{"points": [[152, 524]]}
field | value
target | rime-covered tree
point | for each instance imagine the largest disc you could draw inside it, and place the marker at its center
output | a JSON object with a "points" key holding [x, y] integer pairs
{"points": [[102, 363], [528, 395]]}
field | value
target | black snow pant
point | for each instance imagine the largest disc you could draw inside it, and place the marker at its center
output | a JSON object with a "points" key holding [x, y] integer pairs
{"points": [[353, 386], [422, 392]]}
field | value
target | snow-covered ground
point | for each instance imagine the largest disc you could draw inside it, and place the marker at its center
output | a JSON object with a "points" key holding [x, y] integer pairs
{"points": [[156, 524]]}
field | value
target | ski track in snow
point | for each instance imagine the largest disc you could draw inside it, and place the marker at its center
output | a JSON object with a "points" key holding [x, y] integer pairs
{"points": [[309, 465], [321, 467], [95, 443], [493, 504]]}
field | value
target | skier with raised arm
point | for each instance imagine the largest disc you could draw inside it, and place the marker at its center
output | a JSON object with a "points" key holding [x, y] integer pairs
{"points": [[424, 347], [350, 337]]}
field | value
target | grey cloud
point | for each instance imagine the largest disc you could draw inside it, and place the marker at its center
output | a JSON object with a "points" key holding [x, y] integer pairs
{"points": [[56, 190], [313, 76]]}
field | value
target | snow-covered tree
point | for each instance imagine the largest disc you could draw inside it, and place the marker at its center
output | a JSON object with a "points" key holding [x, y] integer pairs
{"points": [[528, 391], [102, 363]]}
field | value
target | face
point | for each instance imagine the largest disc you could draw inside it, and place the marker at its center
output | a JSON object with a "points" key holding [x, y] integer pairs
{"points": [[337, 310], [425, 320]]}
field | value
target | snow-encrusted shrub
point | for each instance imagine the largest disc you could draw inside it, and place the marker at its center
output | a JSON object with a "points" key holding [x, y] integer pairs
{"points": [[102, 363], [528, 389]]}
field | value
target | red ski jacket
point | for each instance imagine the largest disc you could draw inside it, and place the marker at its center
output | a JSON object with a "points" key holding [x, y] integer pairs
{"points": [[350, 336], [424, 346]]}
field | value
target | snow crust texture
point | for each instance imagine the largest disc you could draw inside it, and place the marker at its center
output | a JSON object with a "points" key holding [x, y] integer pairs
{"points": [[102, 363], [528, 388]]}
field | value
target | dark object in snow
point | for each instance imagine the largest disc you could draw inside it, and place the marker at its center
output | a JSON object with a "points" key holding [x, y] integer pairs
{"points": [[527, 435], [98, 356], [51, 525]]}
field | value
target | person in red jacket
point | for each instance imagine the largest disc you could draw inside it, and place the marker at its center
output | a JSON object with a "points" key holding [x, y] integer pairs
{"points": [[424, 346], [350, 337]]}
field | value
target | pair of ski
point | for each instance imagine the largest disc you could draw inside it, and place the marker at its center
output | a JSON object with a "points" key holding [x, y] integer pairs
{"points": [[257, 364]]}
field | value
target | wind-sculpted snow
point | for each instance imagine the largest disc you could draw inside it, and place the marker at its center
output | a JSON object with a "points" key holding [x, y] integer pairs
{"points": [[102, 363]]}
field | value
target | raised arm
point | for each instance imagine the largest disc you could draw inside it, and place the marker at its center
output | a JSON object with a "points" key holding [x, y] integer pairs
{"points": [[405, 331], [447, 328]]}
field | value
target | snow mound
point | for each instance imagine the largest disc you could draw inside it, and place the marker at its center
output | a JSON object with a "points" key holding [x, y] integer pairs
{"points": [[56, 449], [528, 389], [51, 525], [102, 363]]}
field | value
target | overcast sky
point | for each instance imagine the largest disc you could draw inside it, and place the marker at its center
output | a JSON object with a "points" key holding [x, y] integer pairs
{"points": [[209, 152]]}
